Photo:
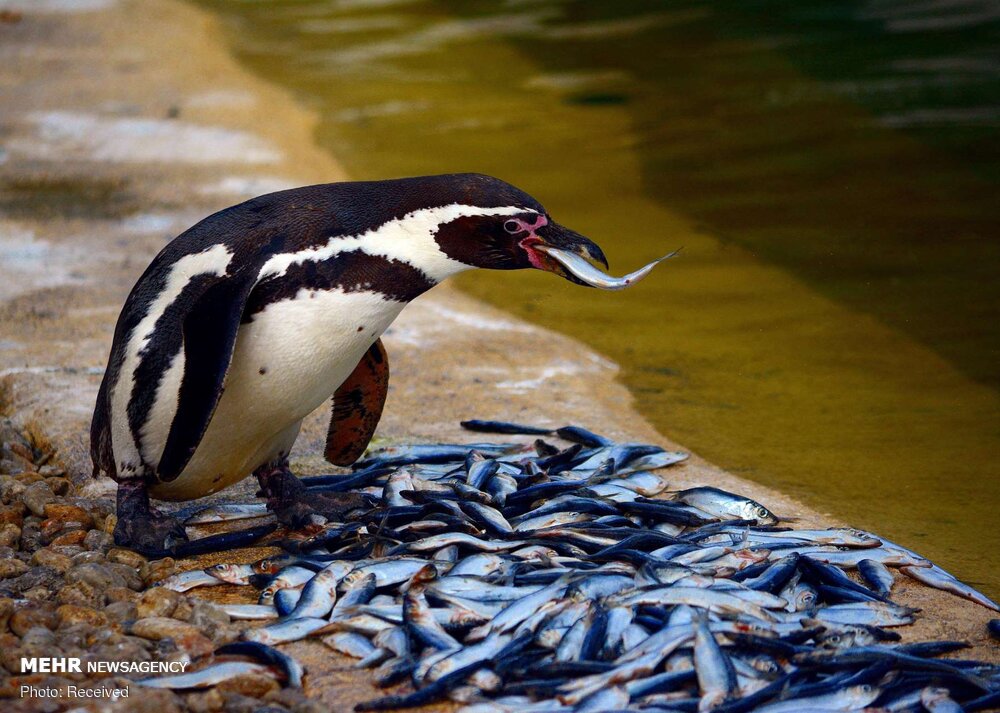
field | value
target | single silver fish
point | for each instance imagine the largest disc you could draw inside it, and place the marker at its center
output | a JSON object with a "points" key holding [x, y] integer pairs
{"points": [[586, 273], [850, 698], [865, 614], [724, 504], [318, 595], [284, 631], [208, 676], [184, 581], [249, 612], [877, 575], [936, 577], [716, 675], [349, 643], [227, 513]]}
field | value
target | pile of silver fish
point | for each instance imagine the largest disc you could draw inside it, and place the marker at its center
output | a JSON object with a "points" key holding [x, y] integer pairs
{"points": [[531, 578]]}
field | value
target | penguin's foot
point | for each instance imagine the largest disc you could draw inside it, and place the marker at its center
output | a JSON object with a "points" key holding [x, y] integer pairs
{"points": [[294, 506], [140, 526]]}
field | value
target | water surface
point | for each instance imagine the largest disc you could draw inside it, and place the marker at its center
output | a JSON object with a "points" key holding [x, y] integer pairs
{"points": [[830, 169]]}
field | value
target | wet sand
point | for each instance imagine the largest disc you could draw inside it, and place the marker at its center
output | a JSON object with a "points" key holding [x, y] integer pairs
{"points": [[126, 123]]}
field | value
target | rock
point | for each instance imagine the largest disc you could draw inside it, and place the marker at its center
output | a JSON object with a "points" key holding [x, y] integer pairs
{"points": [[156, 570], [12, 568], [187, 637], [69, 514], [121, 594], [88, 557], [55, 560], [210, 701], [131, 577], [10, 535], [40, 595], [6, 610], [60, 486], [98, 540], [128, 557], [98, 575], [10, 432], [36, 496], [227, 633], [157, 602], [29, 617], [31, 535], [72, 537], [183, 610], [69, 614], [10, 490], [13, 513], [207, 616], [39, 576], [251, 685], [121, 611], [81, 594]]}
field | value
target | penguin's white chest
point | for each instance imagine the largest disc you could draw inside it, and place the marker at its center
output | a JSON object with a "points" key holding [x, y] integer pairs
{"points": [[286, 363]]}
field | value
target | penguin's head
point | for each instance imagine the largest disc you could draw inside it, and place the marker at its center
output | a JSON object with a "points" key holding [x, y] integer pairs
{"points": [[507, 233]]}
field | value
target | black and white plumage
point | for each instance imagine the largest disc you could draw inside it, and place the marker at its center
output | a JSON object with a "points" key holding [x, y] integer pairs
{"points": [[251, 319]]}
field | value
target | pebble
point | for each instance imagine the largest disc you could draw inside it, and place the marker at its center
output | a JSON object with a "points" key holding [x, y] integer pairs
{"points": [[156, 570], [157, 602], [10, 535], [120, 594], [127, 557], [122, 611], [71, 614], [73, 537], [24, 619], [251, 685], [98, 540], [35, 577], [186, 636], [82, 594], [36, 496], [6, 609], [29, 476], [50, 558], [13, 513], [10, 490], [60, 486], [12, 568], [97, 575]]}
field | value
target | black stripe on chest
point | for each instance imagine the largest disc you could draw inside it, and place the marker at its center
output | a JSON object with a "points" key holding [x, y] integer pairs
{"points": [[353, 271], [156, 356]]}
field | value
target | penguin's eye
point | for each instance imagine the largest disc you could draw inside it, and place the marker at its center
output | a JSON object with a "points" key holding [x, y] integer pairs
{"points": [[512, 226]]}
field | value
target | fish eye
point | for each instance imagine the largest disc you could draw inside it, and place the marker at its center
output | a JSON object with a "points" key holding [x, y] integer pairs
{"points": [[512, 226], [835, 639], [762, 512]]}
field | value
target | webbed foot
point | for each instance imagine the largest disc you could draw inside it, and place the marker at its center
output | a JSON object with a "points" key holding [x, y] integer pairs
{"points": [[140, 526], [294, 506]]}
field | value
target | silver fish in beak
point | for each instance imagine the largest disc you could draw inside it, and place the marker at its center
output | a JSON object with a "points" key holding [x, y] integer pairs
{"points": [[578, 267]]}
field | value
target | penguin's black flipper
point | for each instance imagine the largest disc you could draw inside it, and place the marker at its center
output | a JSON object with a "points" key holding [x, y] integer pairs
{"points": [[357, 407], [209, 329]]}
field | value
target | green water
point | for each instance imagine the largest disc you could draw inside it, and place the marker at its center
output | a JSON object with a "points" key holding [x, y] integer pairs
{"points": [[831, 170]]}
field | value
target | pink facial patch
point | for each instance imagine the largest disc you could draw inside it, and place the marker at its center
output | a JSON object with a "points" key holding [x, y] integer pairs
{"points": [[532, 239]]}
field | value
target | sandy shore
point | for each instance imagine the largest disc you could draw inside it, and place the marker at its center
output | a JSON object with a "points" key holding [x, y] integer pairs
{"points": [[124, 122]]}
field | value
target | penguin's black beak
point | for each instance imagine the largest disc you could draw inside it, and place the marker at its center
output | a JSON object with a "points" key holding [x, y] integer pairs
{"points": [[561, 237]]}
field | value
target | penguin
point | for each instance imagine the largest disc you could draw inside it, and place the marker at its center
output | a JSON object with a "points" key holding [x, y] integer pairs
{"points": [[254, 317]]}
